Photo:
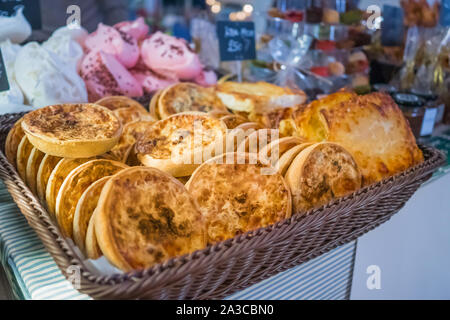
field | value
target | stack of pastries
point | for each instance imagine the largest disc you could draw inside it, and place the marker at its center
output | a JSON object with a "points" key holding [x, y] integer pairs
{"points": [[202, 165]]}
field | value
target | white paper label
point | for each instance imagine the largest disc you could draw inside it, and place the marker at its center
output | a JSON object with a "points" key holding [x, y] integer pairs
{"points": [[428, 122]]}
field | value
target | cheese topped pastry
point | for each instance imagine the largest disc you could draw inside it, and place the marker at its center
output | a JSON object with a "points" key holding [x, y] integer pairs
{"points": [[321, 173], [145, 216], [180, 143], [72, 130], [183, 97], [235, 195], [131, 133]]}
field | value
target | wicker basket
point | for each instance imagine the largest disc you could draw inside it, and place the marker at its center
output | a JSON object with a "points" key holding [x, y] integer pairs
{"points": [[237, 263]]}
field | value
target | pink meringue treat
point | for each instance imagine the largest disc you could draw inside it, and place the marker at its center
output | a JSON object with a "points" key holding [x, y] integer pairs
{"points": [[152, 82], [165, 54], [114, 42], [206, 78], [137, 29], [104, 76]]}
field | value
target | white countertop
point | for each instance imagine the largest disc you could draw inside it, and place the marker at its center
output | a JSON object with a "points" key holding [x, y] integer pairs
{"points": [[412, 249]]}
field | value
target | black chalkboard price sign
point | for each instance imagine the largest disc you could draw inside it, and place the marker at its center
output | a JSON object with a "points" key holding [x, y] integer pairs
{"points": [[236, 40], [445, 13], [31, 10], [392, 28], [4, 84]]}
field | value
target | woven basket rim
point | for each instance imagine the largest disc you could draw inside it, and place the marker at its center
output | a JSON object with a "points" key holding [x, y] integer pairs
{"points": [[433, 159]]}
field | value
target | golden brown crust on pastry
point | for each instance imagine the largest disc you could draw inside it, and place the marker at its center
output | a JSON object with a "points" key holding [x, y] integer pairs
{"points": [[257, 140], [219, 113], [371, 127], [78, 180], [46, 167], [236, 198], [184, 96], [144, 217], [72, 130], [93, 251], [56, 179], [320, 173], [117, 102], [133, 113], [154, 105], [34, 161], [13, 140], [289, 156], [272, 152], [131, 133], [84, 210], [169, 144], [232, 121], [23, 153], [257, 97], [274, 117], [249, 126]]}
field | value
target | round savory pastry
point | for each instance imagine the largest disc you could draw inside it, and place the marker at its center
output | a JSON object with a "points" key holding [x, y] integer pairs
{"points": [[232, 121], [185, 96], [75, 184], [92, 249], [72, 130], [131, 114], [286, 159], [180, 143], [84, 210], [23, 153], [131, 133], [34, 161], [46, 167], [255, 141], [56, 179], [272, 152], [117, 102], [13, 140], [320, 173], [153, 106], [235, 195], [235, 138], [145, 216]]}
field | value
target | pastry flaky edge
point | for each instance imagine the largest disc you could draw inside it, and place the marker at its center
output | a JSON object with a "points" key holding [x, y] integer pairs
{"points": [[56, 142], [371, 127]]}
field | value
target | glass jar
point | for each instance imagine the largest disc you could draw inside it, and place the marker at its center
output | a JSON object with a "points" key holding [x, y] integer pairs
{"points": [[413, 109], [331, 11], [292, 10], [432, 101], [288, 5]]}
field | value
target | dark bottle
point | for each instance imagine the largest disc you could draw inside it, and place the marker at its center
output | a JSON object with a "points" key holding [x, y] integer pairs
{"points": [[314, 11]]}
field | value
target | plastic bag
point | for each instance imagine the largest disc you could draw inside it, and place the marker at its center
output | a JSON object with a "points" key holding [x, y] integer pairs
{"points": [[290, 54]]}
